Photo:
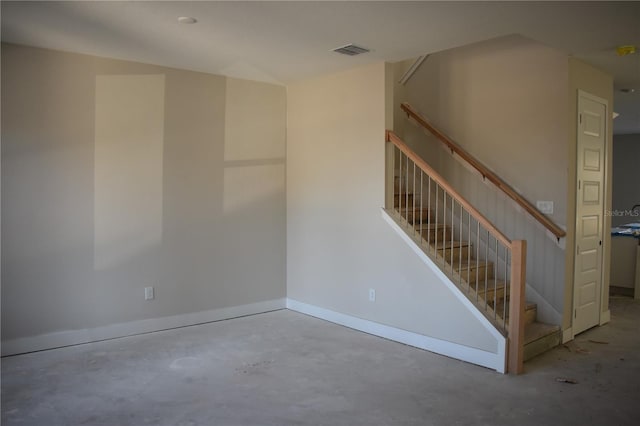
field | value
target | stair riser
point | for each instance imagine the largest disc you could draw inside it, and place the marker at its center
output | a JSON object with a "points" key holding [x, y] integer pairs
{"points": [[420, 217], [441, 234], [469, 275], [404, 200], [542, 345], [457, 253], [530, 315], [405, 187], [490, 294]]}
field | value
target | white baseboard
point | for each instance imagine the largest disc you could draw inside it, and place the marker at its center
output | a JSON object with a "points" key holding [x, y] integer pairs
{"points": [[74, 337], [567, 335], [442, 347]]}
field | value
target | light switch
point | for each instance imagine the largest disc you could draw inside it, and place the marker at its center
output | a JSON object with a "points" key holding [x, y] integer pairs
{"points": [[545, 207], [148, 293]]}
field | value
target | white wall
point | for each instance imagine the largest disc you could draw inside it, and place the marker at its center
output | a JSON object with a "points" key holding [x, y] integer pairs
{"points": [[626, 191], [338, 245], [504, 101], [118, 175]]}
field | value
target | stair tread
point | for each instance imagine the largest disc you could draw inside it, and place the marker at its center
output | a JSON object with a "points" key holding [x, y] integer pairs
{"points": [[447, 244], [530, 311], [414, 215], [497, 285], [537, 330], [527, 306], [430, 226], [410, 209], [464, 264]]}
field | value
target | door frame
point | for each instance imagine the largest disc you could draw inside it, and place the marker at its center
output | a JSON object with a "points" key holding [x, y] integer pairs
{"points": [[605, 180]]}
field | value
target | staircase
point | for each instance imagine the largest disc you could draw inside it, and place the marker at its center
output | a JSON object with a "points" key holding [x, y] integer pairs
{"points": [[463, 261], [487, 267]]}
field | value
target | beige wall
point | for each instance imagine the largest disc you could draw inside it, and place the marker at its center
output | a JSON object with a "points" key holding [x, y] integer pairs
{"points": [[591, 80], [118, 175], [504, 101], [626, 192], [338, 245]]}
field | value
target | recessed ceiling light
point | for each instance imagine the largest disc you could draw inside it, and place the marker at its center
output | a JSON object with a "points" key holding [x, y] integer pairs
{"points": [[187, 20]]}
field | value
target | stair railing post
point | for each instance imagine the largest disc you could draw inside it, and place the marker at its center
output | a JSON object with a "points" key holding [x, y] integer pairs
{"points": [[516, 307], [389, 173]]}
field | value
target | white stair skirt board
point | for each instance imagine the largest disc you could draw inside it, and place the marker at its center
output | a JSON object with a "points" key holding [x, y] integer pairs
{"points": [[442, 347], [499, 360], [74, 337]]}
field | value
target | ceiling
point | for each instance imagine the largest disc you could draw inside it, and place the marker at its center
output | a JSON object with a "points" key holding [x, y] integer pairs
{"points": [[282, 42]]}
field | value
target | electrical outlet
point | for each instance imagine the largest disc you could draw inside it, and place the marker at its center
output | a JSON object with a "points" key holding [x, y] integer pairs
{"points": [[545, 207], [148, 293], [372, 295]]}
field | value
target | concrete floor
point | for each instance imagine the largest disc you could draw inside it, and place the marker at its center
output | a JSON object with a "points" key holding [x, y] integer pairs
{"points": [[284, 368]]}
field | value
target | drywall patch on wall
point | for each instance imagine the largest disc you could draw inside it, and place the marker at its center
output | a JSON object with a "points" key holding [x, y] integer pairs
{"points": [[129, 143]]}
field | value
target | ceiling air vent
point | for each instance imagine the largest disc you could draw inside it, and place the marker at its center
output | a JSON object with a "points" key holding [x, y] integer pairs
{"points": [[351, 50]]}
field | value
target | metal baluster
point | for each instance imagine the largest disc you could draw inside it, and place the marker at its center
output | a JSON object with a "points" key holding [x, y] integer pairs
{"points": [[453, 209], [477, 260], [444, 218], [437, 220], [421, 227], [486, 270], [413, 198], [429, 218], [495, 280], [460, 239], [395, 164], [406, 191], [400, 185], [469, 251]]}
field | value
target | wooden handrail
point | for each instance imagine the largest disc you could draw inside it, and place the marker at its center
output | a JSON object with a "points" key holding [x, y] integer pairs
{"points": [[395, 139], [485, 172]]}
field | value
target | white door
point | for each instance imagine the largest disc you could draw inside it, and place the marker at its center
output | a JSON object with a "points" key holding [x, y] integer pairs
{"points": [[592, 113]]}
